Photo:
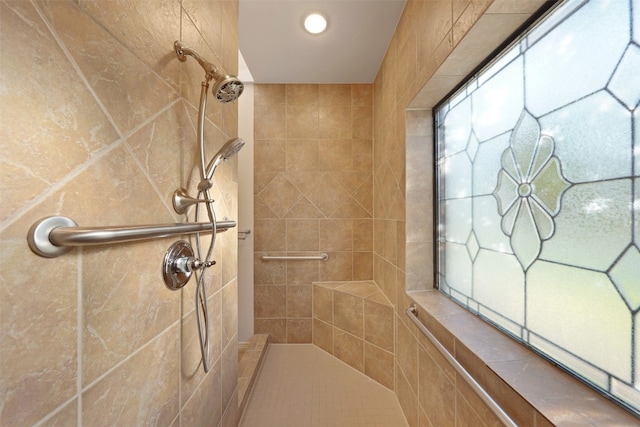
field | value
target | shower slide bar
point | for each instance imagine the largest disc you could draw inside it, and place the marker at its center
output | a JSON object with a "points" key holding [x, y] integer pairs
{"points": [[321, 257], [412, 312], [56, 235]]}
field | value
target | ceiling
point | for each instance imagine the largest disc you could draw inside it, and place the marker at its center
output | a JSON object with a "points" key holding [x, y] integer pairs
{"points": [[277, 49]]}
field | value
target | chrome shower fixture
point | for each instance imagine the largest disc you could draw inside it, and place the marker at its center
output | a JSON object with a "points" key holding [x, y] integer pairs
{"points": [[180, 261], [182, 201], [227, 151], [227, 87]]}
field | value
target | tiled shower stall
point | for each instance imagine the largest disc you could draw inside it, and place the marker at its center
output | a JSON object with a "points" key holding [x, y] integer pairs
{"points": [[98, 124]]}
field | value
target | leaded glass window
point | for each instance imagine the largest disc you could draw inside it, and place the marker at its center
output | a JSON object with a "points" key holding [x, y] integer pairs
{"points": [[538, 171]]}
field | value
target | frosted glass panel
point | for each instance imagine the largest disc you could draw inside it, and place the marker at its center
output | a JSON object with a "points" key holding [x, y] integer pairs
{"points": [[636, 150], [497, 103], [577, 57], [636, 211], [457, 128], [593, 227], [625, 83], [601, 127], [538, 180], [498, 283], [456, 170], [486, 222], [459, 265], [580, 300], [489, 154], [636, 24], [458, 220]]}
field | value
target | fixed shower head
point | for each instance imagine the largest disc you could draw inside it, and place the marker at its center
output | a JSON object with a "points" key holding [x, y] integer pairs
{"points": [[228, 150], [227, 88]]}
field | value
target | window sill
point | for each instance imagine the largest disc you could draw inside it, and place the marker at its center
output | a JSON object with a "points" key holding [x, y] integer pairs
{"points": [[528, 387]]}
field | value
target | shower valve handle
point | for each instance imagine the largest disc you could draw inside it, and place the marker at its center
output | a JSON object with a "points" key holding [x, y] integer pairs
{"points": [[180, 263], [191, 264], [196, 264]]}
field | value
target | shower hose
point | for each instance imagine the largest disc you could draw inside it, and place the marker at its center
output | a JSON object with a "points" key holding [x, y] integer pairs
{"points": [[202, 312], [201, 305]]}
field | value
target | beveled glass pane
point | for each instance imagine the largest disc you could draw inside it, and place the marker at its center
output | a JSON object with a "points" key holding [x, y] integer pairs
{"points": [[524, 142], [636, 25], [593, 227], [498, 102], [625, 274], [487, 164], [506, 193], [636, 340], [472, 246], [456, 172], [458, 220], [486, 222], [560, 68], [625, 83], [498, 283], [457, 127], [458, 265], [591, 138], [525, 240], [563, 302], [625, 392], [636, 146], [636, 212], [498, 65], [549, 186]]}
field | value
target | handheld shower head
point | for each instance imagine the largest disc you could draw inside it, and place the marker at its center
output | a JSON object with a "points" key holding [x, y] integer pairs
{"points": [[228, 150], [227, 88]]}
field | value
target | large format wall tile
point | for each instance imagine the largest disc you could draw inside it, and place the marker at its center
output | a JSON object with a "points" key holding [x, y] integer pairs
{"points": [[95, 130], [50, 124], [138, 392], [161, 21], [313, 193], [166, 149], [38, 335], [126, 86]]}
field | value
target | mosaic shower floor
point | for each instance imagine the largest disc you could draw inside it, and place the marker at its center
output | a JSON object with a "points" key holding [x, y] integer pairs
{"points": [[302, 386]]}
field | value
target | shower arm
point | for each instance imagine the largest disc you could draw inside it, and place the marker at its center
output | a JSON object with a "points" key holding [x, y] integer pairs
{"points": [[211, 70], [56, 235]]}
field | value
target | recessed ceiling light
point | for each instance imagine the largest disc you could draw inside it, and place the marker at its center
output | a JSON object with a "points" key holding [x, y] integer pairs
{"points": [[315, 23]]}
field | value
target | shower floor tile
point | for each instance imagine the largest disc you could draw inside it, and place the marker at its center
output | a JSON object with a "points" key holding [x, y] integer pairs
{"points": [[302, 386]]}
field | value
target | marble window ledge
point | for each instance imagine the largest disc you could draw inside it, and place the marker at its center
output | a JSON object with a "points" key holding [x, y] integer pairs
{"points": [[528, 387]]}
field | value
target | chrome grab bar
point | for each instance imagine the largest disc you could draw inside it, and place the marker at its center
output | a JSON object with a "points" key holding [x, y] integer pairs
{"points": [[412, 312], [321, 257], [56, 235]]}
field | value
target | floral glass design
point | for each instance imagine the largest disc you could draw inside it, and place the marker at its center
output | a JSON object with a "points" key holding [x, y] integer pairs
{"points": [[529, 189]]}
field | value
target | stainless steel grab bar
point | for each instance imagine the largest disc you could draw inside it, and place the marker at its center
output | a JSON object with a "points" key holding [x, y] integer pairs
{"points": [[488, 400], [321, 257], [56, 235]]}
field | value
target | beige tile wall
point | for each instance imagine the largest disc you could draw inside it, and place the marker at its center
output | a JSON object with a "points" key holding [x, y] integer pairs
{"points": [[421, 65], [313, 193], [354, 322], [98, 124]]}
